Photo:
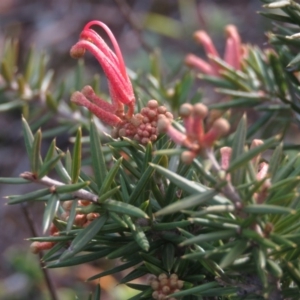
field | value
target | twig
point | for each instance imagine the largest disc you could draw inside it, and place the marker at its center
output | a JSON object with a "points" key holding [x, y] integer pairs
{"points": [[126, 12], [52, 183], [47, 277]]}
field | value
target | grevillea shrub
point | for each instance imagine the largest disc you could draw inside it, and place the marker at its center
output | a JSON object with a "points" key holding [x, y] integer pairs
{"points": [[192, 199]]}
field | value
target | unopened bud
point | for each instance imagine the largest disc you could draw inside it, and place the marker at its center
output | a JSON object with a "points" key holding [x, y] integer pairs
{"points": [[200, 110], [186, 110], [154, 284], [163, 124], [221, 126], [187, 157], [152, 104]]}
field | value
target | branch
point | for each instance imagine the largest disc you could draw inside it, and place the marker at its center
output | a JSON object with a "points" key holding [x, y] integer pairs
{"points": [[52, 183]]}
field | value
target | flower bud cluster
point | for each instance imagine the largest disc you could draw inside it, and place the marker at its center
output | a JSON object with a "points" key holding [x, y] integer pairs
{"points": [[195, 137], [81, 220], [164, 286], [142, 127]]}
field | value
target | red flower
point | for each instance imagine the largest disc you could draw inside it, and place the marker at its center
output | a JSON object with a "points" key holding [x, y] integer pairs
{"points": [[120, 87]]}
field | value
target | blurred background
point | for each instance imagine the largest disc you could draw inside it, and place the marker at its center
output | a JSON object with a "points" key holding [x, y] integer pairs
{"points": [[53, 26]]}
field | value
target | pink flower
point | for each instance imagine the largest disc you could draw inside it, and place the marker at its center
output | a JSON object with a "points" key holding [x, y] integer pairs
{"points": [[233, 52], [195, 138], [142, 126], [120, 87]]}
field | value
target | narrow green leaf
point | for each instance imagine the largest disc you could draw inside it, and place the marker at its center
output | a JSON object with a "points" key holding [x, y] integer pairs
{"points": [[123, 208], [195, 290], [235, 252], [137, 273], [70, 188], [108, 194], [208, 237], [294, 272], [72, 215], [47, 166], [124, 250], [76, 158], [190, 201], [109, 178], [62, 172], [240, 94], [189, 186], [29, 196], [286, 170], [141, 238], [50, 211], [6, 72], [97, 293], [168, 256], [117, 269], [247, 156], [84, 237], [238, 146], [171, 225], [252, 235], [267, 209], [275, 160], [35, 156], [13, 180], [28, 136], [239, 102], [144, 180], [274, 268], [153, 269], [98, 160], [79, 259]]}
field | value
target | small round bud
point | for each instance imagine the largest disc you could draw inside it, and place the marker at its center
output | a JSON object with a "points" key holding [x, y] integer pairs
{"points": [[221, 126], [187, 157], [34, 247], [173, 283], [137, 120], [67, 204], [162, 276], [163, 124], [154, 285], [256, 143], [152, 114], [200, 110], [155, 295], [122, 132], [152, 104], [174, 276], [162, 109], [169, 115], [166, 290], [186, 110]]}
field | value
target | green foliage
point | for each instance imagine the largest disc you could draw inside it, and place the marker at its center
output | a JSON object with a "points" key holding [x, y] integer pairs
{"points": [[226, 233]]}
